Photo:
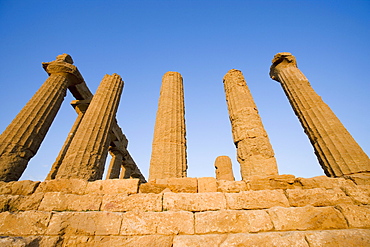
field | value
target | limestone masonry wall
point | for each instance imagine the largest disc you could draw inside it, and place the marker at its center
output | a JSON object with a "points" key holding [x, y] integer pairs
{"points": [[279, 210]]}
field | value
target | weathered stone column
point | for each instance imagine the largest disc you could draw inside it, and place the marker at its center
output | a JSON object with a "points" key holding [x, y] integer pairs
{"points": [[115, 163], [86, 155], [168, 158], [22, 138], [254, 150], [80, 106], [224, 168], [337, 151]]}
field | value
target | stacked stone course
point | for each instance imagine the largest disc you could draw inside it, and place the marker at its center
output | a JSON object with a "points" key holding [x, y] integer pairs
{"points": [[276, 210]]}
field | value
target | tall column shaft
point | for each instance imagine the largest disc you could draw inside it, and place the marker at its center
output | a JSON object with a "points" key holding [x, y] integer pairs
{"points": [[22, 138], [168, 158], [115, 163], [254, 150], [80, 107], [338, 153], [86, 155]]}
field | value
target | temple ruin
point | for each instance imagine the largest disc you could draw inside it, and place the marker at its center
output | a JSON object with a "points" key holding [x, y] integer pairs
{"points": [[75, 206]]}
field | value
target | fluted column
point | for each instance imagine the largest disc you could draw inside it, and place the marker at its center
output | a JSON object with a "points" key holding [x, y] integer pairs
{"points": [[168, 158], [22, 138], [338, 153], [224, 168], [80, 107], [86, 155], [254, 150], [115, 163]]}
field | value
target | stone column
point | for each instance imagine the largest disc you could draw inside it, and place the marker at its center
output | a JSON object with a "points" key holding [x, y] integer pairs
{"points": [[224, 168], [254, 150], [80, 106], [86, 155], [168, 158], [115, 163], [22, 138], [337, 151]]}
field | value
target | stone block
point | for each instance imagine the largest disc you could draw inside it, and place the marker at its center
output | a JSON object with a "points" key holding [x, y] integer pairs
{"points": [[152, 187], [322, 182], [317, 197], [24, 223], [306, 218], [114, 186], [347, 237], [256, 199], [25, 203], [139, 223], [207, 184], [166, 223], [24, 187], [67, 186], [115, 241], [232, 221], [194, 202], [211, 240], [6, 202], [135, 202], [57, 201], [5, 187], [271, 182], [268, 239], [186, 185], [357, 216], [360, 194], [174, 223], [85, 223], [359, 178], [231, 186]]}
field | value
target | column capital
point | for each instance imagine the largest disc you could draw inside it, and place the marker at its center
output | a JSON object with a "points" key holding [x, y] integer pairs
{"points": [[64, 65], [280, 61]]}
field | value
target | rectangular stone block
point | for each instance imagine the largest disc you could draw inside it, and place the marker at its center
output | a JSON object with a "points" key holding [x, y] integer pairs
{"points": [[174, 223], [359, 178], [360, 194], [24, 223], [357, 216], [347, 237], [256, 199], [84, 223], [152, 187], [232, 221], [322, 182], [25, 203], [317, 197], [186, 185], [139, 223], [231, 186], [194, 202], [24, 187], [266, 239], [113, 241], [67, 186], [57, 201], [135, 202], [207, 184], [114, 186], [166, 223], [271, 182], [211, 240], [7, 201], [306, 218]]}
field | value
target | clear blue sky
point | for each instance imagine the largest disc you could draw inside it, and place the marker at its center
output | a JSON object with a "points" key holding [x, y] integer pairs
{"points": [[202, 40]]}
